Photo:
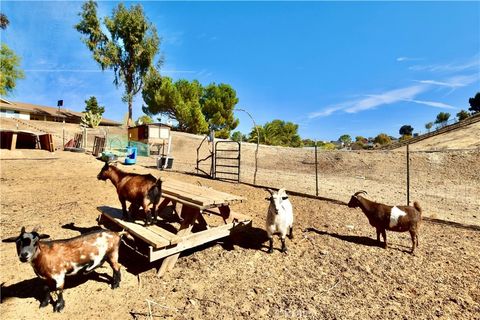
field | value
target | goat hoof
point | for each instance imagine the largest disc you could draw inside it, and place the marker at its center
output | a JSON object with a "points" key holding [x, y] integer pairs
{"points": [[59, 306], [115, 285], [284, 250], [270, 250]]}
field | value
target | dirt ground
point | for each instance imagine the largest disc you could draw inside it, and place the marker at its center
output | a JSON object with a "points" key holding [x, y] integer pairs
{"points": [[333, 269]]}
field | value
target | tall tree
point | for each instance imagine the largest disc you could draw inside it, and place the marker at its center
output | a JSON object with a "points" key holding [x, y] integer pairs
{"points": [[129, 48], [346, 139], [462, 115], [91, 105], [4, 22], [475, 103], [218, 102], [277, 133], [442, 118], [179, 101], [428, 126], [406, 130], [10, 70]]}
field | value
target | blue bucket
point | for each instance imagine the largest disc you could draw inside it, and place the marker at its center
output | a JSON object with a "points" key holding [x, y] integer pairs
{"points": [[131, 157]]}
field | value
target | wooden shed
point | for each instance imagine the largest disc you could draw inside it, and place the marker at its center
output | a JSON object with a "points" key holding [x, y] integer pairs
{"points": [[156, 136]]}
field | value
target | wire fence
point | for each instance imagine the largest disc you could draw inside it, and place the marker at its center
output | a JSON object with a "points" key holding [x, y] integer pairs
{"points": [[445, 183]]}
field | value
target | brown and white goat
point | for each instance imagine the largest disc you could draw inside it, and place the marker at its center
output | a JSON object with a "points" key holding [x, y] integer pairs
{"points": [[141, 190], [394, 218], [53, 260]]}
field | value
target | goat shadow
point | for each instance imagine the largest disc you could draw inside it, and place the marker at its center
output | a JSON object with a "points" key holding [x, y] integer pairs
{"points": [[362, 240], [33, 288]]}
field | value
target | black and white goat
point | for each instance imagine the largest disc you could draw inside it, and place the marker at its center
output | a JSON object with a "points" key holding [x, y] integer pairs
{"points": [[279, 217], [394, 218], [53, 260]]}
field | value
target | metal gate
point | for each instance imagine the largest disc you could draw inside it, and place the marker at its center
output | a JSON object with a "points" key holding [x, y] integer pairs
{"points": [[227, 160]]}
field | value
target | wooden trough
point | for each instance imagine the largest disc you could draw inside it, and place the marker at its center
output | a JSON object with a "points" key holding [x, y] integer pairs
{"points": [[205, 208]]}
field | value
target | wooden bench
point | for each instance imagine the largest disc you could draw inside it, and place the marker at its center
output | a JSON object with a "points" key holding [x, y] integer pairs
{"points": [[195, 205]]}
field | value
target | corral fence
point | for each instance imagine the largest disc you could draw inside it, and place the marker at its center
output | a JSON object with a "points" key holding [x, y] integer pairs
{"points": [[446, 183]]}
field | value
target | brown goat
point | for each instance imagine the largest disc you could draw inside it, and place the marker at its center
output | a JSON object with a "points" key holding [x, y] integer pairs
{"points": [[141, 190], [53, 260], [394, 218]]}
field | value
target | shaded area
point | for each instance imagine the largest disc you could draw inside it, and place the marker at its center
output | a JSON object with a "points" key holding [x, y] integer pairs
{"points": [[33, 288], [366, 241], [452, 224]]}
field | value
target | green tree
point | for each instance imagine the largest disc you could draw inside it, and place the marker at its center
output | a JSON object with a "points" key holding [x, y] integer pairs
{"points": [[428, 126], [144, 119], [179, 101], [361, 139], [218, 102], [475, 103], [277, 133], [462, 115], [10, 70], [238, 136], [93, 107], [406, 130], [346, 139], [442, 119], [4, 22], [382, 139], [308, 143], [129, 48]]}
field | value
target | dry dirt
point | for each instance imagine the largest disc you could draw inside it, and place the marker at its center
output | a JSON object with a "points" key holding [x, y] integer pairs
{"points": [[333, 269]]}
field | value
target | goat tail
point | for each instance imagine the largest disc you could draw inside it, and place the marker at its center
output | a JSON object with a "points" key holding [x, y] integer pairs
{"points": [[416, 205]]}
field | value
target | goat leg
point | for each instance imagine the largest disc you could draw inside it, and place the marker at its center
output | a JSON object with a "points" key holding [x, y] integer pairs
{"points": [[126, 216], [290, 235], [413, 235], [60, 304], [378, 236], [47, 297], [116, 278], [270, 248], [284, 247], [384, 234]]}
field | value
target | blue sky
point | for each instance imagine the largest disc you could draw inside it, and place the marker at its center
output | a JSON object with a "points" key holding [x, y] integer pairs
{"points": [[358, 68]]}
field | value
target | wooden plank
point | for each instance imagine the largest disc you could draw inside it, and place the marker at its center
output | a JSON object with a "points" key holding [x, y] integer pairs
{"points": [[204, 191], [150, 237], [196, 239], [199, 193], [171, 237]]}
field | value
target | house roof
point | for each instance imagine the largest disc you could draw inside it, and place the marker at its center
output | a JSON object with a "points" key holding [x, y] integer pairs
{"points": [[49, 111]]}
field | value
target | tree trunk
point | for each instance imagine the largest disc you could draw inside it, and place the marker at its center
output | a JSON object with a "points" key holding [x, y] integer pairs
{"points": [[130, 120]]}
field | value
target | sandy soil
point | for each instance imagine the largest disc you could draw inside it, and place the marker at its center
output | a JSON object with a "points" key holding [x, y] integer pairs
{"points": [[333, 269]]}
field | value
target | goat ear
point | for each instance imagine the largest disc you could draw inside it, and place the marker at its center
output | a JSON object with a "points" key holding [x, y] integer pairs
{"points": [[22, 231], [11, 239], [43, 236], [268, 198]]}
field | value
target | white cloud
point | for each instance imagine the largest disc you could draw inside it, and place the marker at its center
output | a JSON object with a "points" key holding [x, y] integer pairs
{"points": [[453, 82], [449, 67], [401, 59], [407, 94], [433, 104]]}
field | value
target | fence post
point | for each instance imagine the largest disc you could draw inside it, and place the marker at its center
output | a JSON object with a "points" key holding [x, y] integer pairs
{"points": [[316, 169], [408, 174]]}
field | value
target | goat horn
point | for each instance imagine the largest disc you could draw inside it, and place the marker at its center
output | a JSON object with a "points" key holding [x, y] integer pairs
{"points": [[358, 192]]}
